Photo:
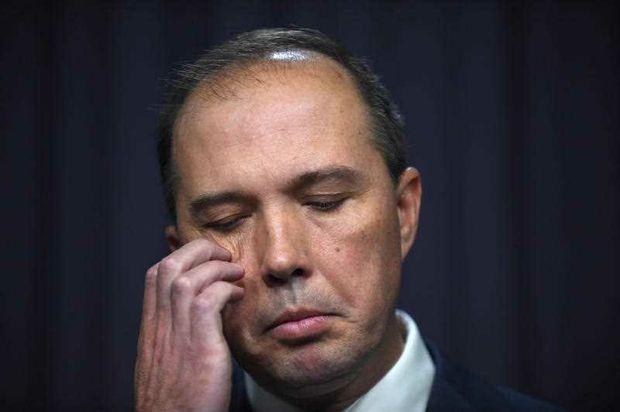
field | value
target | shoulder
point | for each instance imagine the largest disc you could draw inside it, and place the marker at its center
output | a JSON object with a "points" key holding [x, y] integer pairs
{"points": [[454, 388]]}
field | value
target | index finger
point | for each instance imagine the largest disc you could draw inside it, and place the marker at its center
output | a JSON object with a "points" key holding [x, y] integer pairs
{"points": [[193, 254], [183, 259]]}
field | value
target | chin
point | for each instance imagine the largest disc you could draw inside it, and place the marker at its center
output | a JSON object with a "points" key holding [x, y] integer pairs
{"points": [[309, 370]]}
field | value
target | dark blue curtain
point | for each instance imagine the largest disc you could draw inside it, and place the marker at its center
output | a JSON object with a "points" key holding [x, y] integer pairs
{"points": [[513, 120]]}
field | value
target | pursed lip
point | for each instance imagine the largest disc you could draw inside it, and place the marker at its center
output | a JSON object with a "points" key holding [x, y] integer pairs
{"points": [[295, 315]]}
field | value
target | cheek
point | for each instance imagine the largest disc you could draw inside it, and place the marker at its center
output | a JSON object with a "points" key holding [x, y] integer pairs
{"points": [[238, 319], [361, 259]]}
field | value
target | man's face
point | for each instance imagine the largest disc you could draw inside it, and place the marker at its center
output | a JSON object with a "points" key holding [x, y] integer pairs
{"points": [[282, 173]]}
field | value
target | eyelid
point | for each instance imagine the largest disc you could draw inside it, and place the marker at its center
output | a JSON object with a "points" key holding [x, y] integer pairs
{"points": [[225, 224], [327, 197], [325, 204]]}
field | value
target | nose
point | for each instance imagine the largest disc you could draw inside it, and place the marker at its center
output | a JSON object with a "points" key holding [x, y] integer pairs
{"points": [[282, 243]]}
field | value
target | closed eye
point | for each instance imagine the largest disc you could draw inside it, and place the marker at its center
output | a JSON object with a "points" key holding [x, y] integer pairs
{"points": [[225, 225], [326, 205]]}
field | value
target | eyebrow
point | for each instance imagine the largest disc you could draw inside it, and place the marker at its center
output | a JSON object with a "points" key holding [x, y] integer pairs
{"points": [[209, 200], [336, 174], [305, 180]]}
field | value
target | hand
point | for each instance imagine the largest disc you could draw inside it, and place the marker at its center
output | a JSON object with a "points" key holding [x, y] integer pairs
{"points": [[184, 362]]}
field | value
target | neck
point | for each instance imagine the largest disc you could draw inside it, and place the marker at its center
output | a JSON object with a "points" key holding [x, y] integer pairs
{"points": [[351, 387]]}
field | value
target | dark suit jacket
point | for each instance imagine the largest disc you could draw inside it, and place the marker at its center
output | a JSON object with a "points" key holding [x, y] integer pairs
{"points": [[454, 389]]}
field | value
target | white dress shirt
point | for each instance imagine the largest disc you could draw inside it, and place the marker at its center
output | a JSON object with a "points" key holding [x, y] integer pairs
{"points": [[406, 386]]}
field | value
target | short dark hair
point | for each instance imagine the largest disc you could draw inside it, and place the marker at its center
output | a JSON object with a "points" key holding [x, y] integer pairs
{"points": [[255, 46]]}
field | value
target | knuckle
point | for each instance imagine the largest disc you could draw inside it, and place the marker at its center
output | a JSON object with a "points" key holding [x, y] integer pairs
{"points": [[203, 304], [170, 264], [181, 285], [151, 276], [202, 241], [207, 245]]}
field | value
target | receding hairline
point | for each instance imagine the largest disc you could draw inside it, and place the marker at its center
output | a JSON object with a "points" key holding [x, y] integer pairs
{"points": [[223, 84]]}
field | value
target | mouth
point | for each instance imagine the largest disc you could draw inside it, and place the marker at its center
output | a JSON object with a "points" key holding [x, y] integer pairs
{"points": [[299, 324]]}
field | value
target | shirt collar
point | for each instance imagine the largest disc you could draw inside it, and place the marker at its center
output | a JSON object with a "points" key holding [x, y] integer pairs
{"points": [[406, 386]]}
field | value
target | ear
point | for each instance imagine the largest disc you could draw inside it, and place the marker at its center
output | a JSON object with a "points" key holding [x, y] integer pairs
{"points": [[172, 237], [408, 198]]}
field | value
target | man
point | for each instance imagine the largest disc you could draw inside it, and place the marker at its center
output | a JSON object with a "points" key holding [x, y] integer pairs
{"points": [[283, 164]]}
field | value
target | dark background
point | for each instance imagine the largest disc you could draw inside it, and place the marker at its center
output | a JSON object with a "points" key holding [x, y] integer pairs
{"points": [[513, 121]]}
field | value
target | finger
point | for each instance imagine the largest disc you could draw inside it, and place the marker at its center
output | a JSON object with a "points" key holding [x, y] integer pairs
{"points": [[187, 286], [149, 305], [206, 318], [148, 323], [183, 259]]}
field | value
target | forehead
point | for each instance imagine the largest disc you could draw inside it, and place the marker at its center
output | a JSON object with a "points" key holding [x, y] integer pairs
{"points": [[271, 120]]}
